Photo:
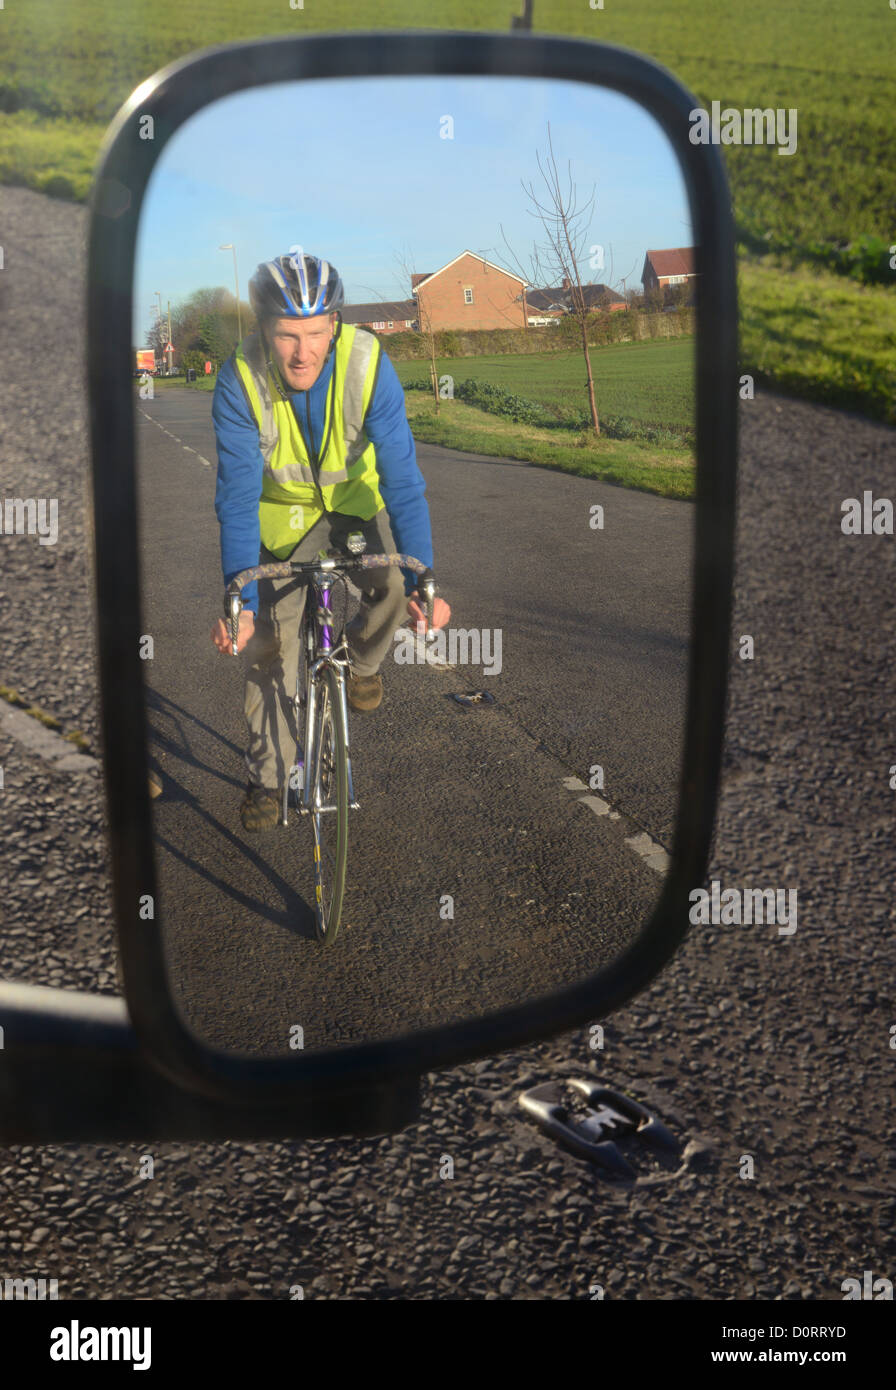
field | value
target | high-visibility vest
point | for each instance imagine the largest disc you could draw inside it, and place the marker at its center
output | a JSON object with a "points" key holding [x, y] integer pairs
{"points": [[293, 495]]}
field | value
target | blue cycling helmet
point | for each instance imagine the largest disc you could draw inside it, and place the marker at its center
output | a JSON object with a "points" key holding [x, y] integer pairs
{"points": [[297, 287]]}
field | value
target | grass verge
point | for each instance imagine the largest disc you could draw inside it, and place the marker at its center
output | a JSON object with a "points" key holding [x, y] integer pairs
{"points": [[819, 336], [666, 472]]}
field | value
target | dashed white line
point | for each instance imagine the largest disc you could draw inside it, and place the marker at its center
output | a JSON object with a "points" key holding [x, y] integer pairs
{"points": [[205, 463], [653, 854]]}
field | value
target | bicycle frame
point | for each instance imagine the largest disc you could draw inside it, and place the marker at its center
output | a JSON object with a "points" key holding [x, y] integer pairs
{"points": [[320, 654]]}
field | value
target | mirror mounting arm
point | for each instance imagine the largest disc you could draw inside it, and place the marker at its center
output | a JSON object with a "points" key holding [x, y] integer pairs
{"points": [[72, 1071]]}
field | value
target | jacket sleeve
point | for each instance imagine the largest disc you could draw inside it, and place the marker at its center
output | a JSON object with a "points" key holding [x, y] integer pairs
{"points": [[240, 474], [401, 483]]}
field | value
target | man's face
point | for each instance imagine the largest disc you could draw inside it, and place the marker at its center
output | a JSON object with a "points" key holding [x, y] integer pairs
{"points": [[299, 347]]}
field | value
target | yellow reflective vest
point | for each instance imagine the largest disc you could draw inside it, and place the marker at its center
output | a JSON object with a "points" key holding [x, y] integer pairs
{"points": [[293, 495]]}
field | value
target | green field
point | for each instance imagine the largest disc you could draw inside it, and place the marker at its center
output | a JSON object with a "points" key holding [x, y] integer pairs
{"points": [[69, 64], [73, 63], [646, 384], [651, 382]]}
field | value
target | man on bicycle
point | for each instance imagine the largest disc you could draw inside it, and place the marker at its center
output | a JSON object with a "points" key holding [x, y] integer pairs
{"points": [[313, 443]]}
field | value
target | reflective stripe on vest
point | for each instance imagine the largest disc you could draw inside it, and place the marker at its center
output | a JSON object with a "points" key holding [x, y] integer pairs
{"points": [[290, 502]]}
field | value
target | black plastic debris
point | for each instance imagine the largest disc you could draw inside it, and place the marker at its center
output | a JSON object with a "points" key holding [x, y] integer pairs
{"points": [[475, 697], [592, 1127]]}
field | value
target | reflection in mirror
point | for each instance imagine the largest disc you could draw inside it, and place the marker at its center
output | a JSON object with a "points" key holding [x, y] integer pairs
{"points": [[512, 841]]}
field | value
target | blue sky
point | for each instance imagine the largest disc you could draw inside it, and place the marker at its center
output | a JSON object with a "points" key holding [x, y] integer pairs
{"points": [[358, 171]]}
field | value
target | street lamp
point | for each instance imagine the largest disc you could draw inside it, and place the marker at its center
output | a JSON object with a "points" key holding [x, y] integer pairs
{"points": [[158, 309], [168, 351], [229, 246]]}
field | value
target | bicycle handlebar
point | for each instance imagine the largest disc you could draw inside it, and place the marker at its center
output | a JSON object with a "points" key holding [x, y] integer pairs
{"points": [[334, 564]]}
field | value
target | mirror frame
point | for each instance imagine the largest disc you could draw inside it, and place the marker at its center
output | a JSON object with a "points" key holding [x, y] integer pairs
{"points": [[126, 161]]}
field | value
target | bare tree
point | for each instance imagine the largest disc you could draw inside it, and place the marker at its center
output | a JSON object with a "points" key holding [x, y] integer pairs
{"points": [[623, 279], [424, 321], [566, 226]]}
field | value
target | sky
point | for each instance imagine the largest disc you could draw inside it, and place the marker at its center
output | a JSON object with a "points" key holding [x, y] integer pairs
{"points": [[370, 172]]}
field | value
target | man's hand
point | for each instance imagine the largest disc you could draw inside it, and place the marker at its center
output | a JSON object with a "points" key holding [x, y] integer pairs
{"points": [[417, 609], [221, 632]]}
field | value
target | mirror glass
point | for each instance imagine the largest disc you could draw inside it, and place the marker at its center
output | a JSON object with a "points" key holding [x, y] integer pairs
{"points": [[499, 848]]}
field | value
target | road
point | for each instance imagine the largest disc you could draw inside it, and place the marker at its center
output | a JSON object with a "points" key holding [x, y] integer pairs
{"points": [[749, 1043]]}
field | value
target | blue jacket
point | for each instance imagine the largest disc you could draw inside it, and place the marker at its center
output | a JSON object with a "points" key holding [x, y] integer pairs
{"points": [[241, 466]]}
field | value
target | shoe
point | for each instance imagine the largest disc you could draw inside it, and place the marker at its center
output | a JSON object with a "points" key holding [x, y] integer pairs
{"points": [[260, 809], [364, 692]]}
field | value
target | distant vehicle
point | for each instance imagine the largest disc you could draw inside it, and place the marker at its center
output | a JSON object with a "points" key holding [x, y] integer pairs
{"points": [[146, 360]]}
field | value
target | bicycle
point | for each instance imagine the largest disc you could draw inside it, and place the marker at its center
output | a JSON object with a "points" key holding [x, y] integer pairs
{"points": [[323, 772]]}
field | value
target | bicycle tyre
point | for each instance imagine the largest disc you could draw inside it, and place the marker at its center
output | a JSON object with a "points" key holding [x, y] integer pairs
{"points": [[329, 786]]}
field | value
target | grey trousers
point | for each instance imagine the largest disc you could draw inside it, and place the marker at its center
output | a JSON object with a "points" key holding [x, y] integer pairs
{"points": [[273, 649]]}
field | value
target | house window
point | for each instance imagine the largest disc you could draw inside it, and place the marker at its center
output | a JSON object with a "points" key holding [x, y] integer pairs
{"points": [[391, 324], [381, 324], [408, 323], [468, 295], [676, 280]]}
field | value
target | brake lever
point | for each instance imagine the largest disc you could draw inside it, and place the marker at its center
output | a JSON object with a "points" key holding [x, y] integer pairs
{"points": [[426, 585], [236, 605]]}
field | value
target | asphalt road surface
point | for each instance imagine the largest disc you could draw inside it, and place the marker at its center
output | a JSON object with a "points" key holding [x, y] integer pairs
{"points": [[750, 1044]]}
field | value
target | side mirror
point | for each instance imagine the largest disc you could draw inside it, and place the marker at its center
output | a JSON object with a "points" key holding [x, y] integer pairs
{"points": [[190, 887]]}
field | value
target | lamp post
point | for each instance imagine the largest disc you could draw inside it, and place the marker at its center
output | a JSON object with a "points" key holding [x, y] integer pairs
{"points": [[229, 246], [158, 308]]}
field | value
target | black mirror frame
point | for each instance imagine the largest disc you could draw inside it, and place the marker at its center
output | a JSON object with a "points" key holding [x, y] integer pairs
{"points": [[171, 97]]}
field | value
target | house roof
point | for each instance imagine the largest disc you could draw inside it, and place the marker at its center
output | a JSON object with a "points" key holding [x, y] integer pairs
{"points": [[400, 309], [544, 299], [416, 279], [678, 261], [595, 296]]}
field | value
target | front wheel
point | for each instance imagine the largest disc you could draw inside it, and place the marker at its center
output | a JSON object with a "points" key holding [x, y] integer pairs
{"points": [[329, 808]]}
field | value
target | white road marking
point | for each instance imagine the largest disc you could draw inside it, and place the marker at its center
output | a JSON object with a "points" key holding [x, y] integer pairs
{"points": [[653, 854], [25, 729], [184, 446]]}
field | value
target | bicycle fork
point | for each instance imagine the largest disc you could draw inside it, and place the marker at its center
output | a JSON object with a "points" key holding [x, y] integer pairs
{"points": [[316, 691]]}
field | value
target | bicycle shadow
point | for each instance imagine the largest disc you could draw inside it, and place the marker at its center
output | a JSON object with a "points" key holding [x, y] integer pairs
{"points": [[297, 915], [179, 744], [295, 912]]}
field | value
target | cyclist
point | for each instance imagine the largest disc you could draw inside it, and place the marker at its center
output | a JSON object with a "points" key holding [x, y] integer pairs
{"points": [[313, 443]]}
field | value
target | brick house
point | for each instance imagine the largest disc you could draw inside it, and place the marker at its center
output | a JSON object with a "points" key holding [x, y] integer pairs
{"points": [[394, 316], [547, 306], [664, 269], [470, 292]]}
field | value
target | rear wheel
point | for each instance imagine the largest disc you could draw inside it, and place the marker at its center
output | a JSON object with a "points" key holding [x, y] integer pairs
{"points": [[329, 808]]}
